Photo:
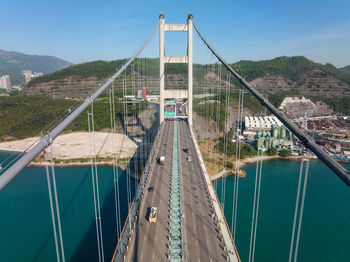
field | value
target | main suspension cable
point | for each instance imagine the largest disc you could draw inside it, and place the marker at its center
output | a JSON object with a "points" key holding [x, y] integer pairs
{"points": [[338, 169], [46, 140]]}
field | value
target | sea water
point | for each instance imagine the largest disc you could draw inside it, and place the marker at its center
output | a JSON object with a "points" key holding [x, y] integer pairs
{"points": [[26, 232], [26, 227], [325, 230]]}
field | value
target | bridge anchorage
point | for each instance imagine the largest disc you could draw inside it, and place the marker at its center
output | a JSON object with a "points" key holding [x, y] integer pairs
{"points": [[176, 214]]}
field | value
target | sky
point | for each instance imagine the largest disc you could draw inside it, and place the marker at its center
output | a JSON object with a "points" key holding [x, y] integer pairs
{"points": [[83, 30]]}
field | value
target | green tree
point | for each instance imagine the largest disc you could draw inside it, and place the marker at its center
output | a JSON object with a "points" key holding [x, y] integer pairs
{"points": [[285, 153], [271, 151]]}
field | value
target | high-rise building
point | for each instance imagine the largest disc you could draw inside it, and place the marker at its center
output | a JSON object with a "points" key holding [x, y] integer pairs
{"points": [[27, 75], [5, 82]]}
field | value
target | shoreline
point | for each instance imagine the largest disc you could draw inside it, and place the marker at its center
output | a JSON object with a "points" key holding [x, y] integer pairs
{"points": [[123, 167], [75, 147], [252, 160]]}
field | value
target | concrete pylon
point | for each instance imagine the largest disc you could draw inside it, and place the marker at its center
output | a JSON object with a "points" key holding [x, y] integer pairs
{"points": [[175, 93]]}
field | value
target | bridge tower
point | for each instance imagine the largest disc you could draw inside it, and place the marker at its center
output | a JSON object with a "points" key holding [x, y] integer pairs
{"points": [[176, 93]]}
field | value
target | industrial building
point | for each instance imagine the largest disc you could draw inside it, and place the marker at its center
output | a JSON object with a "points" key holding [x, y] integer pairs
{"points": [[253, 123], [278, 137], [268, 131]]}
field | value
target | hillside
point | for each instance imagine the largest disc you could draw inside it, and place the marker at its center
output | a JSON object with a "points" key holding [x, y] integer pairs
{"points": [[13, 63], [346, 68], [23, 116], [295, 75], [275, 78], [295, 71]]}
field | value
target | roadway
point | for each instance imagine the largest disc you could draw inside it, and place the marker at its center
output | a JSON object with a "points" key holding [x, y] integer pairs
{"points": [[201, 231], [150, 241], [202, 240]]}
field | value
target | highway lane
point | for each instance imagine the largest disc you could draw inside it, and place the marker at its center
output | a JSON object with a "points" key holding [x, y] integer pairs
{"points": [[201, 234], [200, 231], [149, 242]]}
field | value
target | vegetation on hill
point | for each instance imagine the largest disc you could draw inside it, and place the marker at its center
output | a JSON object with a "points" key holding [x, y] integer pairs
{"points": [[216, 112], [292, 68], [246, 150], [288, 67], [285, 153], [12, 63], [26, 116], [271, 151]]}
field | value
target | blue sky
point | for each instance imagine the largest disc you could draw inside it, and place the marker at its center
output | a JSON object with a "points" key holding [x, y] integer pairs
{"points": [[80, 31]]}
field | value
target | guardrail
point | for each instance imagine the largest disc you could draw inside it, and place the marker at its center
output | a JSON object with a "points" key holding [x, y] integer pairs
{"points": [[123, 242]]}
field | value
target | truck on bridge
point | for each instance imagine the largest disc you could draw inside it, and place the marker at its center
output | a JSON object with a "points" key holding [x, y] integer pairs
{"points": [[152, 218]]}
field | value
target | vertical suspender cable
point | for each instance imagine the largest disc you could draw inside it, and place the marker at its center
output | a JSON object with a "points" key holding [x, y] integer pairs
{"points": [[257, 209], [52, 209], [93, 159], [134, 115], [114, 166], [126, 121], [296, 211], [96, 181], [238, 145], [301, 210], [57, 206], [211, 115], [206, 112], [225, 133], [239, 159], [236, 165], [58, 244], [253, 213]]}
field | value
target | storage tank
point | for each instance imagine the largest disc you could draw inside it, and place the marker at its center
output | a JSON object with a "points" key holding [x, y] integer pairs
{"points": [[260, 143], [283, 132], [275, 131], [267, 143]]}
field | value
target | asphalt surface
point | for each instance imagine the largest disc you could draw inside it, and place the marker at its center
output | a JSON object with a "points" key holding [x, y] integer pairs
{"points": [[202, 240]]}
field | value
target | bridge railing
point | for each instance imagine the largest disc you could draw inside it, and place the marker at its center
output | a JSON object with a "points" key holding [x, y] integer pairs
{"points": [[122, 246]]}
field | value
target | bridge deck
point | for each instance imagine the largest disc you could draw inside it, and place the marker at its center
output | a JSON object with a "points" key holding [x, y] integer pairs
{"points": [[201, 237]]}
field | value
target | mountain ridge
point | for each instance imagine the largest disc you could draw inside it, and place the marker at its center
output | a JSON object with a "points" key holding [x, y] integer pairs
{"points": [[13, 62], [346, 68]]}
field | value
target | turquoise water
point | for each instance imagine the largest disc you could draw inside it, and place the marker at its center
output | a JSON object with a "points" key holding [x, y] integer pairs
{"points": [[325, 231], [26, 229], [25, 218]]}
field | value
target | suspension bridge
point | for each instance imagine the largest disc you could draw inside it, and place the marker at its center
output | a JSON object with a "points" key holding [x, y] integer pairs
{"points": [[171, 166]]}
